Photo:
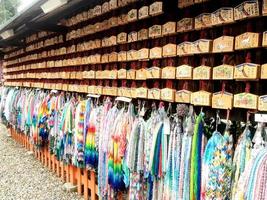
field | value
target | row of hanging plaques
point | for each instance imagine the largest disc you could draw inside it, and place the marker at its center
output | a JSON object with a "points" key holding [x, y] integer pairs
{"points": [[219, 100], [245, 71]]}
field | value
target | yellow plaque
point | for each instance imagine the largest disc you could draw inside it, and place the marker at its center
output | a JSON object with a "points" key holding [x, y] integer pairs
{"points": [[169, 50], [153, 73], [264, 71], [201, 46], [247, 40], [246, 71], [246, 9], [184, 72], [222, 100], [222, 16], [223, 72], [203, 21], [156, 8], [201, 98], [155, 53], [262, 104], [264, 39], [168, 72], [167, 94], [202, 73], [169, 28], [223, 44], [141, 74], [184, 48], [141, 92], [154, 31], [122, 56], [183, 96], [154, 93], [122, 38], [122, 74], [143, 12], [131, 74], [246, 100], [143, 54], [143, 34]]}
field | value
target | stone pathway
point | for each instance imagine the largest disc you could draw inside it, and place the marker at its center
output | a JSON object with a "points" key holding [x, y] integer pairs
{"points": [[22, 177]]}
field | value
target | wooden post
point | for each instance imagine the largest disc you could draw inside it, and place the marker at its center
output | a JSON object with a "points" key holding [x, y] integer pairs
{"points": [[67, 170], [79, 180], [92, 185], [72, 173], [62, 170], [85, 184], [58, 168]]}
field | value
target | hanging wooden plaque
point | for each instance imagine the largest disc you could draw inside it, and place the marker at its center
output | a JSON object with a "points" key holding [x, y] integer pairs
{"points": [[141, 92], [122, 56], [91, 89], [132, 37], [122, 19], [153, 73], [143, 54], [223, 44], [168, 72], [156, 8], [222, 16], [133, 92], [246, 100], [132, 15], [201, 98], [264, 7], [113, 74], [262, 104], [223, 72], [113, 4], [264, 39], [153, 93], [112, 40], [167, 94], [113, 57], [155, 53], [184, 72], [264, 71], [122, 38], [122, 74], [143, 12], [127, 92], [154, 31], [99, 89], [185, 24], [104, 58], [132, 55], [183, 96], [203, 21], [105, 7], [201, 46], [246, 9], [247, 40], [169, 50], [97, 10], [184, 48], [131, 74], [246, 71], [141, 74], [202, 73], [143, 34], [169, 28], [222, 100]]}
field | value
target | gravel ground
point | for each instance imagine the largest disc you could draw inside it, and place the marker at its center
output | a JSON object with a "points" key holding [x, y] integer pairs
{"points": [[22, 177]]}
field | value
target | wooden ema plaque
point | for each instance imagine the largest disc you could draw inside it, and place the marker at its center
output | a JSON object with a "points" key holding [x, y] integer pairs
{"points": [[222, 100], [132, 37], [185, 24], [246, 9], [223, 44], [154, 31], [132, 15], [201, 98], [168, 72], [245, 100], [131, 74], [202, 73], [246, 71], [169, 50], [183, 3], [113, 57], [91, 89], [264, 39], [122, 56], [223, 72], [122, 74], [122, 38], [141, 74], [184, 72], [169, 28], [222, 16], [141, 92], [155, 53], [247, 40], [167, 94], [201, 46], [203, 21], [99, 89], [184, 48], [143, 34], [105, 7], [264, 7], [143, 12], [262, 104], [143, 54], [264, 71], [183, 96], [156, 8], [113, 4], [153, 93], [132, 55], [153, 72]]}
